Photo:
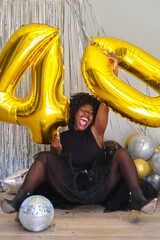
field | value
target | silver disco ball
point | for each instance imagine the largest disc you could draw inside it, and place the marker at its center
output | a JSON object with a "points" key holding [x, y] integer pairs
{"points": [[141, 147], [155, 162], [36, 213]]}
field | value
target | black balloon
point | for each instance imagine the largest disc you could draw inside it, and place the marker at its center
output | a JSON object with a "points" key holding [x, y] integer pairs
{"points": [[110, 147], [154, 180]]}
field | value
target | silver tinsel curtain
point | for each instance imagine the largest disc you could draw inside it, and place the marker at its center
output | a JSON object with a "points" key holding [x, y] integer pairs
{"points": [[77, 23]]}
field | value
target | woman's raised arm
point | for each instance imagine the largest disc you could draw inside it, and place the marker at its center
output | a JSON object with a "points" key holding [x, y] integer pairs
{"points": [[101, 120]]}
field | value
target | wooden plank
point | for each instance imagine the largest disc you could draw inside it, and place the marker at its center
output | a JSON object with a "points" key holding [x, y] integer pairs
{"points": [[87, 222]]}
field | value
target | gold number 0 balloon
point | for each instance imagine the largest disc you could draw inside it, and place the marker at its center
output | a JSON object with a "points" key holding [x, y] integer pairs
{"points": [[45, 108], [120, 97]]}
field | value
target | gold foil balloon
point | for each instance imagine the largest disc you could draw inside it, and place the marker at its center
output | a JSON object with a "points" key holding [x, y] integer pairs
{"points": [[45, 108], [143, 168], [109, 89]]}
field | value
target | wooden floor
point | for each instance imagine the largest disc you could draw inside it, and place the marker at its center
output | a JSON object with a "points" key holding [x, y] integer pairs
{"points": [[87, 223]]}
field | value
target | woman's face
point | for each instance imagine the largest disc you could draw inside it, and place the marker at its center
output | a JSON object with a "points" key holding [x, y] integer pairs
{"points": [[83, 117]]}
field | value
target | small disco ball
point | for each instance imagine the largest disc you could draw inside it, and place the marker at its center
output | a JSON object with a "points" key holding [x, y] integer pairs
{"points": [[36, 213], [141, 146]]}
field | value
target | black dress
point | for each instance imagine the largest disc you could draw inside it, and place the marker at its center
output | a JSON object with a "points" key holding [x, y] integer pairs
{"points": [[80, 175]]}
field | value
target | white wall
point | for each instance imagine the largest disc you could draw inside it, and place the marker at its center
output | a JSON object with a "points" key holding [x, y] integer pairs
{"points": [[137, 22]]}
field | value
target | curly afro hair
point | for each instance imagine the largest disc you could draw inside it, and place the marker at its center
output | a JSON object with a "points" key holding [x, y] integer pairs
{"points": [[78, 100]]}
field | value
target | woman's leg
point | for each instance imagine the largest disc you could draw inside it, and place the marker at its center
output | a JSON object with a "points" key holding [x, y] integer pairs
{"points": [[36, 174], [124, 167], [34, 177]]}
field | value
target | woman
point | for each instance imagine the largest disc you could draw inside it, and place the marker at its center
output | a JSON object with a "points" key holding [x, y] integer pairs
{"points": [[75, 170]]}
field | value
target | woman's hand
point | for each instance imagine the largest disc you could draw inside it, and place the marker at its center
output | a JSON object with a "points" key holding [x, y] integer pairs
{"points": [[56, 145], [114, 60]]}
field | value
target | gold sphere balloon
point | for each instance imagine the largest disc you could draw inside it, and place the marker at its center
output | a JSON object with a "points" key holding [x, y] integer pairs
{"points": [[143, 168], [129, 139]]}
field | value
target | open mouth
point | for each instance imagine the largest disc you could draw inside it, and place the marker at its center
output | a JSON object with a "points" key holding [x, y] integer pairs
{"points": [[83, 121]]}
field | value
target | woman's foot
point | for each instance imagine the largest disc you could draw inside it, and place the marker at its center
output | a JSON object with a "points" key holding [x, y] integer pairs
{"points": [[8, 206], [150, 207], [11, 206], [139, 202]]}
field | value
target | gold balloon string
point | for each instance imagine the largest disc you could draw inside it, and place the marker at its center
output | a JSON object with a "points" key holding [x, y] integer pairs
{"points": [[132, 125], [150, 132], [95, 19], [82, 86], [125, 76], [118, 125], [147, 91], [73, 8], [70, 53], [89, 21], [81, 34], [80, 20]]}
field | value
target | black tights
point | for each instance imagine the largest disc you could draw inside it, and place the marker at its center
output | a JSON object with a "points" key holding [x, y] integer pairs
{"points": [[122, 166], [36, 174]]}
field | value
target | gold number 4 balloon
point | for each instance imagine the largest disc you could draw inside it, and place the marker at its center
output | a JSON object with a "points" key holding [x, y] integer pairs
{"points": [[45, 108], [119, 96]]}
